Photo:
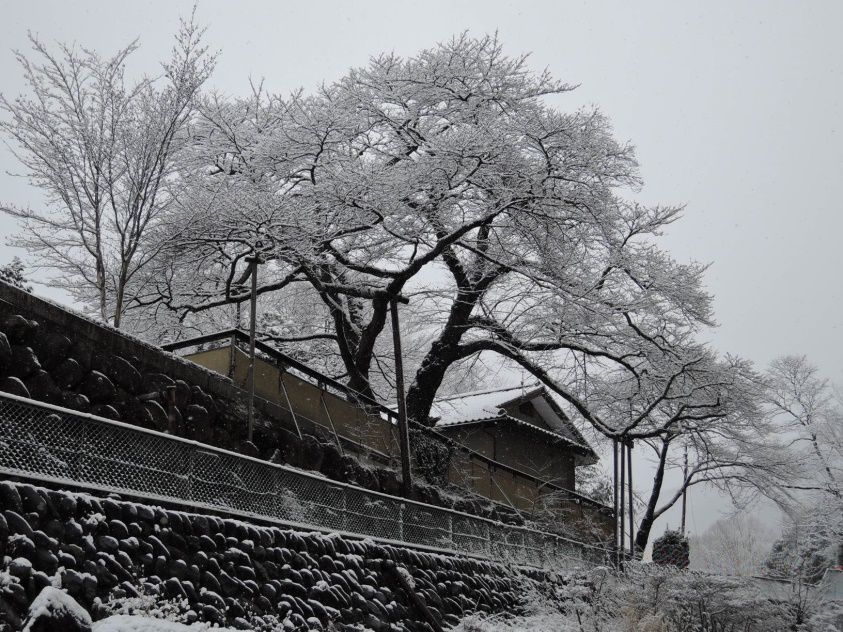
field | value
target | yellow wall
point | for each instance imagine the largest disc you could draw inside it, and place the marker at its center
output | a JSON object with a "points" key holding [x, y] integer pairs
{"points": [[316, 410]]}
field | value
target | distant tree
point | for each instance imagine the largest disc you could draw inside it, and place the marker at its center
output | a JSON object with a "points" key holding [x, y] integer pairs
{"points": [[737, 545], [808, 412], [104, 153], [809, 545], [807, 409], [13, 273], [714, 415]]}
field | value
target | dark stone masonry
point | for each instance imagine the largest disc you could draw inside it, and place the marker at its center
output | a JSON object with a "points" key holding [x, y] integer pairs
{"points": [[111, 555]]}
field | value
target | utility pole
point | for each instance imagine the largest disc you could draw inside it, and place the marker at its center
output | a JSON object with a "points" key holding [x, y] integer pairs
{"points": [[403, 430], [622, 516], [684, 489], [616, 552], [253, 262], [631, 513]]}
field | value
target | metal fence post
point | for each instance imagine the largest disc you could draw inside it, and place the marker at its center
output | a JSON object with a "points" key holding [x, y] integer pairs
{"points": [[83, 441], [451, 531], [401, 522]]}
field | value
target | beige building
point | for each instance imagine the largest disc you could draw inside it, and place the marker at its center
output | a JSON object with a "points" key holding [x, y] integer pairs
{"points": [[522, 428]]}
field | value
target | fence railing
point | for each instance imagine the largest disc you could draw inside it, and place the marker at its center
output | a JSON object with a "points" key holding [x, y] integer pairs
{"points": [[47, 443], [376, 412]]}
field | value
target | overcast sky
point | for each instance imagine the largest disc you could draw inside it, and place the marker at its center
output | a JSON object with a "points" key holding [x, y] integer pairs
{"points": [[734, 107]]}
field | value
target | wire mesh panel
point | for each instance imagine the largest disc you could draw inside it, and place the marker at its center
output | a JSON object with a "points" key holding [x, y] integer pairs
{"points": [[373, 515], [423, 524], [33, 439], [469, 535], [111, 461], [49, 443]]}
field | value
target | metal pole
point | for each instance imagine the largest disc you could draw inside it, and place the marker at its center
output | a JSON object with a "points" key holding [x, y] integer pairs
{"points": [[404, 434], [253, 261], [631, 514], [232, 356], [615, 496], [289, 405], [684, 490], [331, 421], [622, 548]]}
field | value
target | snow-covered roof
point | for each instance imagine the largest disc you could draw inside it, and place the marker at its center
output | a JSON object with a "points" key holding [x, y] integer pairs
{"points": [[475, 406], [478, 406]]}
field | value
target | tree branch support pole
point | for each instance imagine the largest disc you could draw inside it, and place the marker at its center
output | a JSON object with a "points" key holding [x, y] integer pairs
{"points": [[631, 513], [403, 430], [253, 262]]}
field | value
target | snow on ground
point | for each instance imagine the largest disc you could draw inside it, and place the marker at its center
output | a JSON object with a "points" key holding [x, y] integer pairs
{"points": [[540, 622], [135, 623]]}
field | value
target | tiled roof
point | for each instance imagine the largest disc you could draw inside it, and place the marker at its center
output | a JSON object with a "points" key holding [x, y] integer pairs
{"points": [[475, 406], [470, 408]]}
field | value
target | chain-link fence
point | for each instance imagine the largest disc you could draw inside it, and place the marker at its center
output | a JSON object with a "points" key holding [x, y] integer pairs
{"points": [[47, 443]]}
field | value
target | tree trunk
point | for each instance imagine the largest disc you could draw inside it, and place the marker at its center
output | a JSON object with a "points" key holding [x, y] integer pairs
{"points": [[363, 354], [102, 290], [118, 303], [442, 354], [642, 536]]}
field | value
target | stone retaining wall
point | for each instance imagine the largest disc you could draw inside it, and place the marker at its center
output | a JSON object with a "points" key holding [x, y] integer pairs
{"points": [[109, 553]]}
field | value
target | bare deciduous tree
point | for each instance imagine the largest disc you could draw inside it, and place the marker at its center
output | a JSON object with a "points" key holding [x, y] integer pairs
{"points": [[737, 545], [805, 407], [105, 155]]}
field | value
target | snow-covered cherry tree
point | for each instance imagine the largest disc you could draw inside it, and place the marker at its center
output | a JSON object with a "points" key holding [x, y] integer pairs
{"points": [[445, 178]]}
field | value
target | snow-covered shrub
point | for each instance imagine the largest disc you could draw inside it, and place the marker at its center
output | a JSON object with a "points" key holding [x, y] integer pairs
{"points": [[150, 605], [431, 458], [671, 549], [652, 598]]}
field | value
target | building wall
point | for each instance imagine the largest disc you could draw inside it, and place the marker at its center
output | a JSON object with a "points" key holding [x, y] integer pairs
{"points": [[303, 403], [521, 449]]}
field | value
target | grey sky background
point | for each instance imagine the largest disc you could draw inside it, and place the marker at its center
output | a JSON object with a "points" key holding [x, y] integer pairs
{"points": [[735, 109]]}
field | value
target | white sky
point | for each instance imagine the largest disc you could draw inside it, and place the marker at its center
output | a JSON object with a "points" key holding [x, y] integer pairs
{"points": [[734, 107]]}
